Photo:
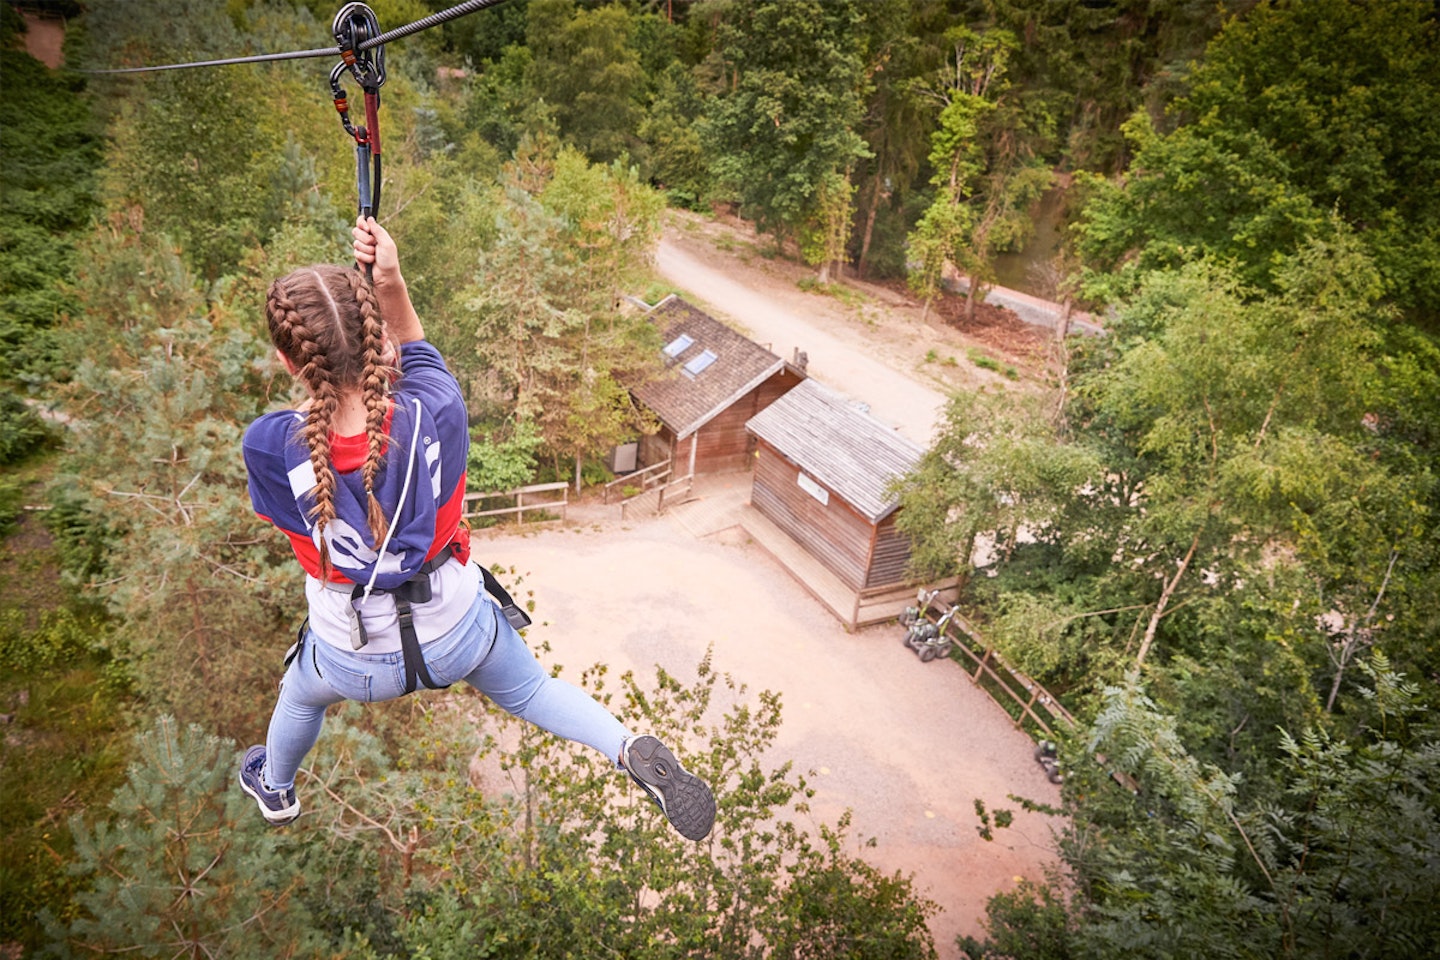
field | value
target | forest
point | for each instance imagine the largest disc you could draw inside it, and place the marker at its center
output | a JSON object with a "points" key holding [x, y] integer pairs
{"points": [[1214, 532]]}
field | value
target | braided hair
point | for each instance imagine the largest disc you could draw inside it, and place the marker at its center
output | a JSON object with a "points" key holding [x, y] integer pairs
{"points": [[325, 320]]}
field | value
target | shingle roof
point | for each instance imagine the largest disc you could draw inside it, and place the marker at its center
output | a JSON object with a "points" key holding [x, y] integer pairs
{"points": [[686, 403], [829, 438]]}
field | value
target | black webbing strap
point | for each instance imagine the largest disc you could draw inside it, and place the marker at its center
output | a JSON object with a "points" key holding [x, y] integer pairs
{"points": [[299, 644], [417, 590], [516, 617], [415, 668], [414, 590]]}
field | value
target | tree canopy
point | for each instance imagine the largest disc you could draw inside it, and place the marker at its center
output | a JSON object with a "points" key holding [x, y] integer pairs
{"points": [[1216, 541]]}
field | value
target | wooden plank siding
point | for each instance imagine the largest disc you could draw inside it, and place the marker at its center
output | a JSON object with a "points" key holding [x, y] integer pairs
{"points": [[724, 443], [889, 556], [835, 533]]}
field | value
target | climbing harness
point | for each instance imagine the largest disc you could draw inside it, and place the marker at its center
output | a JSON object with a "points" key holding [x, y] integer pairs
{"points": [[354, 25], [413, 591]]}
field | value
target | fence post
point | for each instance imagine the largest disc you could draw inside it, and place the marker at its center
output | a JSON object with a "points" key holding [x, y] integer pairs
{"points": [[981, 668]]}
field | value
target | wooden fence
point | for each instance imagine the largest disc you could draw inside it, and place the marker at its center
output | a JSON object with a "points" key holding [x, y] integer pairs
{"points": [[646, 478], [1000, 680], [519, 494], [657, 476]]}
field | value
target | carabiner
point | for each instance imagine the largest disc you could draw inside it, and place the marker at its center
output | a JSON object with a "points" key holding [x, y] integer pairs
{"points": [[342, 101]]}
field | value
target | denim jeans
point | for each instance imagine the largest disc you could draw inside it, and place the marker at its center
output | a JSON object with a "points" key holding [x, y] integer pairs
{"points": [[483, 650]]}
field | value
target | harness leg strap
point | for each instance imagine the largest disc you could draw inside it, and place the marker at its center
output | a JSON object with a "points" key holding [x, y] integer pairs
{"points": [[415, 668]]}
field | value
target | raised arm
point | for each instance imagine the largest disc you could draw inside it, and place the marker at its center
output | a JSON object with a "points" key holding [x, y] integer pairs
{"points": [[375, 246]]}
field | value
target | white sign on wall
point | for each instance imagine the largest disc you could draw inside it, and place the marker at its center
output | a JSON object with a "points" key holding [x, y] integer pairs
{"points": [[814, 489]]}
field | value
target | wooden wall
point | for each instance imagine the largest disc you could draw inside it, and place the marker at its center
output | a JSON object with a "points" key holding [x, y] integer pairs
{"points": [[724, 443], [834, 533], [655, 447], [889, 556]]}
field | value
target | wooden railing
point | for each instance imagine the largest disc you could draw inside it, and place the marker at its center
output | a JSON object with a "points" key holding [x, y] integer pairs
{"points": [[520, 493], [647, 478], [1033, 700]]}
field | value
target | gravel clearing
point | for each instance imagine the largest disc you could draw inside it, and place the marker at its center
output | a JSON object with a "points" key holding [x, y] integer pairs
{"points": [[908, 747]]}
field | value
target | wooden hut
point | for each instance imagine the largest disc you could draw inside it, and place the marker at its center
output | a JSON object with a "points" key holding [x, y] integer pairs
{"points": [[822, 475], [718, 380]]}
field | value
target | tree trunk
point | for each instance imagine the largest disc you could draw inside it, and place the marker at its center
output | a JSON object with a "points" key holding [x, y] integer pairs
{"points": [[577, 475], [869, 226], [1165, 595], [1346, 652]]}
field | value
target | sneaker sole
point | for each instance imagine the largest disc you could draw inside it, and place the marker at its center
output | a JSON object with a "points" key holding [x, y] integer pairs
{"points": [[683, 797], [271, 817]]}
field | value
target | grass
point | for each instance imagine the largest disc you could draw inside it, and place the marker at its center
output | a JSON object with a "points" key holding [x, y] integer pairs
{"points": [[847, 296], [986, 362]]}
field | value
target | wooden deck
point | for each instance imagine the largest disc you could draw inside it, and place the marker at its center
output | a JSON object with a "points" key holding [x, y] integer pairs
{"points": [[720, 502], [852, 609]]}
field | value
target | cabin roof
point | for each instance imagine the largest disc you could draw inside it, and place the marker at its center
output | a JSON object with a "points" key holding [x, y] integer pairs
{"points": [[829, 437], [705, 375]]}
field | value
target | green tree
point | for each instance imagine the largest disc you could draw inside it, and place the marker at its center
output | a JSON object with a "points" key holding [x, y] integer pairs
{"points": [[1342, 862], [50, 149], [995, 473], [586, 67], [184, 867], [546, 308], [986, 173], [157, 407], [1298, 110], [782, 123]]}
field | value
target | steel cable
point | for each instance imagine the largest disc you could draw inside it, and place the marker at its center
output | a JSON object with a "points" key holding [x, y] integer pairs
{"points": [[424, 23]]}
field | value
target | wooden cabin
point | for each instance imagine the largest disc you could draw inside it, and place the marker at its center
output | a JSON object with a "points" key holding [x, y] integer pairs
{"points": [[716, 380], [822, 474]]}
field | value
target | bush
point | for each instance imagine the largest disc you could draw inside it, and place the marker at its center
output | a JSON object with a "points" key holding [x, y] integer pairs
{"points": [[22, 432]]}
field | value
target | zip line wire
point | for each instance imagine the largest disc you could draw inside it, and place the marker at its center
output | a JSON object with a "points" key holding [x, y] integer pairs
{"points": [[424, 23]]}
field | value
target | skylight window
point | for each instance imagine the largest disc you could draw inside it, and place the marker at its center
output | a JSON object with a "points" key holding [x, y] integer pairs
{"points": [[698, 365], [677, 346]]}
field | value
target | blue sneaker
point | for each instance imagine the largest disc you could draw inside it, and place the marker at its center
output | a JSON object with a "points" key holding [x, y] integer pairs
{"points": [[683, 797], [277, 806]]}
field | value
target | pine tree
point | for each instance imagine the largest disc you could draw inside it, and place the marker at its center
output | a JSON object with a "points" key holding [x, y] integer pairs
{"points": [[185, 866]]}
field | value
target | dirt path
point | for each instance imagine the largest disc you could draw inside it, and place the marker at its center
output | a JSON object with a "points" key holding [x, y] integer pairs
{"points": [[869, 342], [44, 39], [908, 747]]}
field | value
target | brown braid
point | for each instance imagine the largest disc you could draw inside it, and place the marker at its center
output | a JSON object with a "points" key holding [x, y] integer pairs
{"points": [[324, 319], [375, 384]]}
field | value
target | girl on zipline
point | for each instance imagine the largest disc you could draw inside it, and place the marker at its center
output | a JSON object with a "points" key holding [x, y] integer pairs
{"points": [[367, 479]]}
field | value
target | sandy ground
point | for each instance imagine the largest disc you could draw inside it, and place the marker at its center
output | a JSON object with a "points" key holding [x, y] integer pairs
{"points": [[908, 747], [44, 38]]}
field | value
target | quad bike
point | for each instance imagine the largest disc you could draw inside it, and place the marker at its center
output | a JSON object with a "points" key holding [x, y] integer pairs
{"points": [[929, 640], [1048, 757]]}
